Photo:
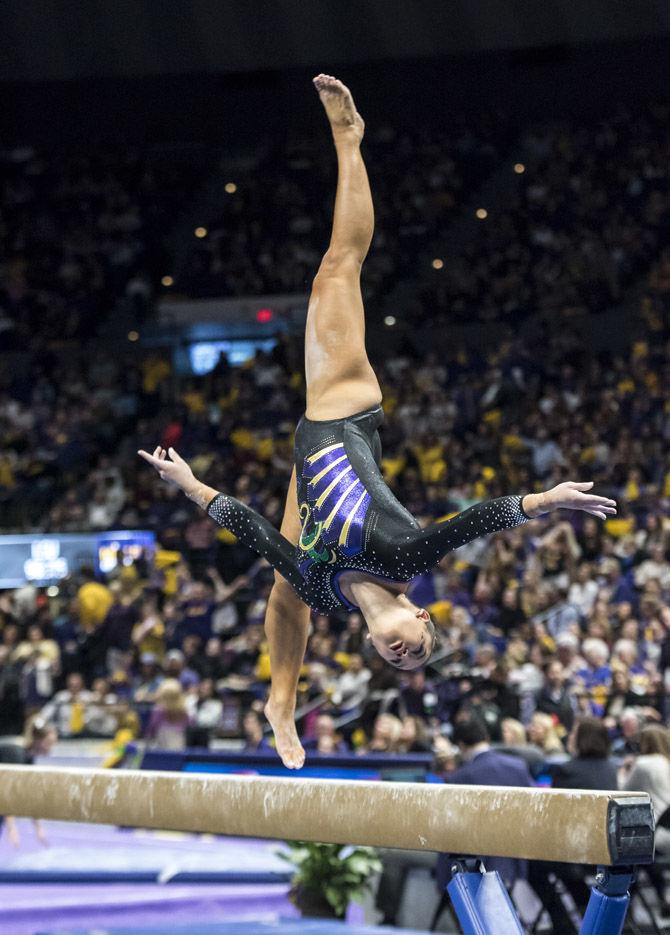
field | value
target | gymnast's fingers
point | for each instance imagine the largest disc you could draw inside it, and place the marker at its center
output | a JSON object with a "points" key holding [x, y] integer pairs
{"points": [[608, 506], [594, 505], [152, 460], [603, 501], [176, 457]]}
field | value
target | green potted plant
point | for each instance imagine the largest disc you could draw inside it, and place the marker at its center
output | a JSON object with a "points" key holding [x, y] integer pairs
{"points": [[328, 876]]}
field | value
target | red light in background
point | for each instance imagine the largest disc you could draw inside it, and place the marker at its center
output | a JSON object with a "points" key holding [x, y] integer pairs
{"points": [[264, 315]]}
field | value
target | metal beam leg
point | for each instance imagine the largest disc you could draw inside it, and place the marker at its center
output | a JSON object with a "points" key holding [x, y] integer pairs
{"points": [[606, 911], [481, 902]]}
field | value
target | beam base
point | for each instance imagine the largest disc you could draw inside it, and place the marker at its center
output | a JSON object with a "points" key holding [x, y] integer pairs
{"points": [[481, 902]]}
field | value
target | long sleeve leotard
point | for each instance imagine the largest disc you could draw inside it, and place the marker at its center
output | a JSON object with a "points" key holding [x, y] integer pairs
{"points": [[350, 519]]}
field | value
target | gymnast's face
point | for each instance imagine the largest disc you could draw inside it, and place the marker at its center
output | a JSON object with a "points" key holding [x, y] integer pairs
{"points": [[405, 641]]}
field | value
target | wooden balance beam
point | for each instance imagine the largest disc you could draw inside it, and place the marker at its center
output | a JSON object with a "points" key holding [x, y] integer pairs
{"points": [[602, 828]]}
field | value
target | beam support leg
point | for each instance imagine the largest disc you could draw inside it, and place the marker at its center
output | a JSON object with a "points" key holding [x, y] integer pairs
{"points": [[606, 911], [481, 902]]}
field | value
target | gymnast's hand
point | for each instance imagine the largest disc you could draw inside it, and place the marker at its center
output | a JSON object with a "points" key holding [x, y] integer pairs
{"points": [[569, 496], [173, 470]]}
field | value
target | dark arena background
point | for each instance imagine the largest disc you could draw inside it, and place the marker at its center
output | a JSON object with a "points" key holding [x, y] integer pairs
{"points": [[167, 189]]}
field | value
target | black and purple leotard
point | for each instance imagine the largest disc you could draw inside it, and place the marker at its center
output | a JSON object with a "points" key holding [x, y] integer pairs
{"points": [[350, 519]]}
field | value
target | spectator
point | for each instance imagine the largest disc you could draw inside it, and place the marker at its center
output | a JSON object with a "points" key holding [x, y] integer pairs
{"points": [[174, 667], [515, 743], [205, 711], [67, 708], [386, 734], [105, 711], [590, 766], [650, 773], [149, 679], [169, 718], [350, 689], [255, 742], [542, 734], [628, 741], [584, 589], [416, 696], [148, 635], [654, 568], [595, 677], [567, 650], [352, 639], [555, 697], [413, 736], [326, 738]]}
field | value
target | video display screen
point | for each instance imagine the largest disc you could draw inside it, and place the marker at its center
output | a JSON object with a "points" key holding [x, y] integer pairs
{"points": [[47, 559]]}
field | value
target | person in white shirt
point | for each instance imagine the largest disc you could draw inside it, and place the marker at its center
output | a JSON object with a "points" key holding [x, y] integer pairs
{"points": [[67, 708], [655, 566], [205, 709], [351, 688], [650, 773], [584, 589]]}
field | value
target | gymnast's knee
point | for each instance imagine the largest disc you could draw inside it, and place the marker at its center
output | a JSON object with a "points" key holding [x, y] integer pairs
{"points": [[340, 263]]}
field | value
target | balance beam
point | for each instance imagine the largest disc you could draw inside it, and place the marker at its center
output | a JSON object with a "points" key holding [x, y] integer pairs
{"points": [[603, 828]]}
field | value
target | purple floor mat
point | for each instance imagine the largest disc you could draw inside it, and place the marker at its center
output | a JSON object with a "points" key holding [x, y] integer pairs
{"points": [[26, 910], [100, 853]]}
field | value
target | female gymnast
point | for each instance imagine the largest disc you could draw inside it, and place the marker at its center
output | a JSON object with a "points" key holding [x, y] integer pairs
{"points": [[345, 541]]}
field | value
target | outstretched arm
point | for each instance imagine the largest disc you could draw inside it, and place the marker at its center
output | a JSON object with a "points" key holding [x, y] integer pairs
{"points": [[425, 548], [250, 528]]}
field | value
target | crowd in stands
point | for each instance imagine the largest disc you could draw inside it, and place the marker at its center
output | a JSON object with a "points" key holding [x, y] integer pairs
{"points": [[274, 223], [587, 216], [81, 229]]}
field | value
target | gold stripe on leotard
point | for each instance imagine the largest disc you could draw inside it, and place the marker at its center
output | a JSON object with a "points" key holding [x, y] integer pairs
{"points": [[333, 512], [315, 480], [324, 451], [344, 534], [332, 484]]}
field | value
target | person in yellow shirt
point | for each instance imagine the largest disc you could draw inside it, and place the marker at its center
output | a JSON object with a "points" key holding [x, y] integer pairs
{"points": [[93, 600], [149, 634]]}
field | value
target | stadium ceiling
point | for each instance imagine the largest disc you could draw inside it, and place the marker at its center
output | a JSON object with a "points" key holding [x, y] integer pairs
{"points": [[64, 39]]}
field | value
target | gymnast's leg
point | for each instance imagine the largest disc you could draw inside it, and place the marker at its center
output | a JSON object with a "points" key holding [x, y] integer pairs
{"points": [[340, 381], [286, 629]]}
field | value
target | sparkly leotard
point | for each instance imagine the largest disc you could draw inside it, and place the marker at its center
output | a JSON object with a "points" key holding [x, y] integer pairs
{"points": [[350, 519]]}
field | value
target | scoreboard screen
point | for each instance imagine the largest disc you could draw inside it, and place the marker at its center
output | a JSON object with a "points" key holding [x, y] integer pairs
{"points": [[47, 559]]}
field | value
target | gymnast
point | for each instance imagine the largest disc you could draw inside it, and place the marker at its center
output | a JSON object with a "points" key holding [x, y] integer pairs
{"points": [[345, 541]]}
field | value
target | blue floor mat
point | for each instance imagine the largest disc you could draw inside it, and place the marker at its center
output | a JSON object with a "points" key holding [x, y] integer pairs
{"points": [[289, 927]]}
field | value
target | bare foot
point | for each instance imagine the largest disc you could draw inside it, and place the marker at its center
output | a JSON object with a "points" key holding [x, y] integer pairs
{"points": [[339, 106], [288, 743]]}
